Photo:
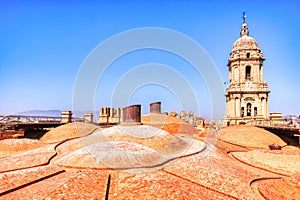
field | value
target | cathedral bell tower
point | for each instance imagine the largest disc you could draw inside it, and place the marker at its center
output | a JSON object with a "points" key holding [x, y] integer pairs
{"points": [[247, 93]]}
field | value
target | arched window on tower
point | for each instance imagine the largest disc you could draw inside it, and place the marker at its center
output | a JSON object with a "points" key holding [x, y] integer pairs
{"points": [[248, 55], [255, 111], [248, 109], [248, 73]]}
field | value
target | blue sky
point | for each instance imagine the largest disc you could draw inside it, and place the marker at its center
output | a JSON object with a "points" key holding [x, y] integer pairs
{"points": [[43, 45]]}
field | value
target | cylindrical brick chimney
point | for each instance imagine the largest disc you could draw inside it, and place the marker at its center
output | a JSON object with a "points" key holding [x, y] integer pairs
{"points": [[132, 113], [155, 107]]}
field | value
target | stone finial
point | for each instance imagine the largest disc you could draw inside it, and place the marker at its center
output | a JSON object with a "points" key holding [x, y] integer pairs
{"points": [[191, 118], [173, 113], [191, 113], [182, 115]]}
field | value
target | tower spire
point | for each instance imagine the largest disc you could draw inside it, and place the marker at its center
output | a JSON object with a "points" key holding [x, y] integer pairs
{"points": [[244, 30]]}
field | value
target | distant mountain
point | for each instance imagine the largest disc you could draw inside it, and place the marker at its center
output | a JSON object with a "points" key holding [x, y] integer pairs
{"points": [[289, 116], [80, 114], [55, 113], [48, 113]]}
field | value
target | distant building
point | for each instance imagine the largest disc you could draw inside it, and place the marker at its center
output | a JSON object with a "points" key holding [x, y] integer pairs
{"points": [[247, 93]]}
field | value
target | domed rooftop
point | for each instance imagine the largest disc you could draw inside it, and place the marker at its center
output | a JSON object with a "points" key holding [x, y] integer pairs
{"points": [[249, 136], [143, 162], [245, 42]]}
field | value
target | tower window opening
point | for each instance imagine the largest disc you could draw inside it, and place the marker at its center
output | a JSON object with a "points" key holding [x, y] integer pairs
{"points": [[255, 111], [248, 73], [260, 73], [242, 112], [248, 109], [248, 55]]}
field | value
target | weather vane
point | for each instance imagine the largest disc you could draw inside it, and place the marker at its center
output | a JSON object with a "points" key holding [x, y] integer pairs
{"points": [[244, 17]]}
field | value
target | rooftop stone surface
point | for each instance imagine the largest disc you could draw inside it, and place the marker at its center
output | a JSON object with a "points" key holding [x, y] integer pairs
{"points": [[74, 161]]}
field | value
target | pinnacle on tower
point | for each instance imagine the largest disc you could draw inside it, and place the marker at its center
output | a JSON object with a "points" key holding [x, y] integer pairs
{"points": [[244, 30], [244, 17]]}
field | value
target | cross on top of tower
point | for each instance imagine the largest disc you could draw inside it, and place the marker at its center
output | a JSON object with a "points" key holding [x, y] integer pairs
{"points": [[244, 30], [244, 17]]}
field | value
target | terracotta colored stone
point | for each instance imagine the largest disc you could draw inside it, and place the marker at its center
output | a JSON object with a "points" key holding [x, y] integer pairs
{"points": [[159, 119], [9, 147], [284, 162], [43, 172], [37, 157], [249, 136], [282, 188], [17, 178], [229, 147], [68, 185], [126, 147], [168, 123], [162, 185], [216, 170], [68, 131]]}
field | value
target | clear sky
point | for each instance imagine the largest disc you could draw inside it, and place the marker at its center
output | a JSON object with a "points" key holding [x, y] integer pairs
{"points": [[43, 45]]}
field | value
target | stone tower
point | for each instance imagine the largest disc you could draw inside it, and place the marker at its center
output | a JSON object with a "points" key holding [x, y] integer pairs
{"points": [[247, 93]]}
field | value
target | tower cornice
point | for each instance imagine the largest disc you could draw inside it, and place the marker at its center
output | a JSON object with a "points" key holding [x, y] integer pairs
{"points": [[244, 59]]}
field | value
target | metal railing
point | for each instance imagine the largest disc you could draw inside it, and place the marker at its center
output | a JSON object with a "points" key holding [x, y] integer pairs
{"points": [[276, 123], [29, 119]]}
